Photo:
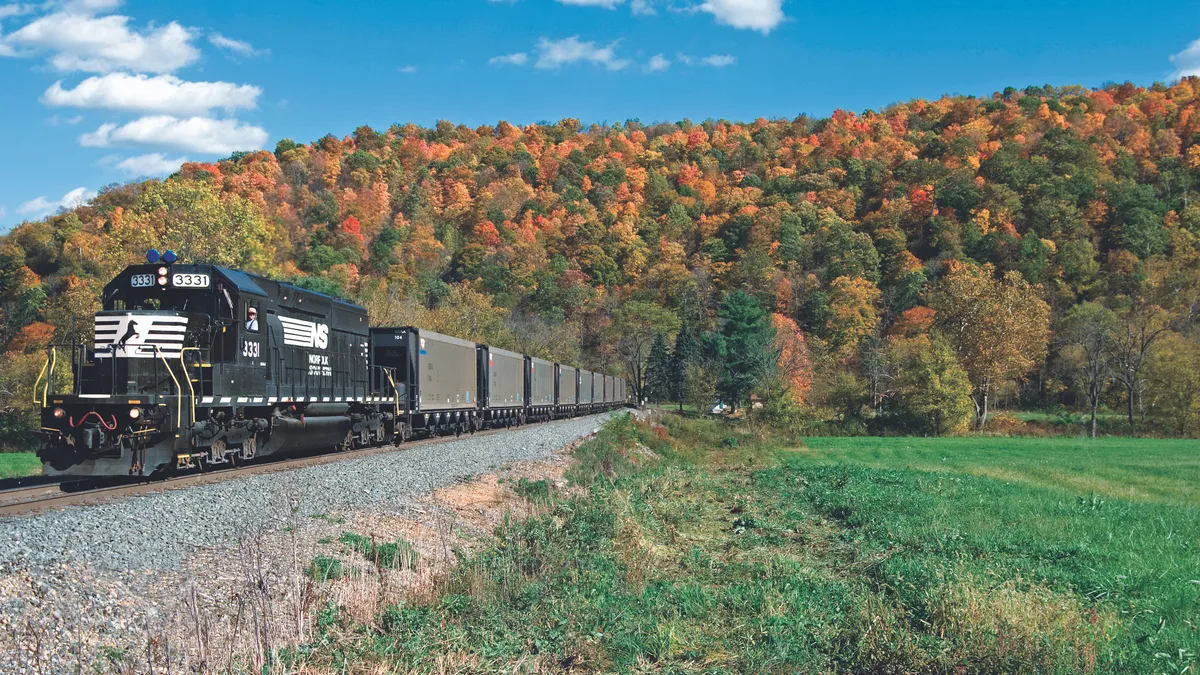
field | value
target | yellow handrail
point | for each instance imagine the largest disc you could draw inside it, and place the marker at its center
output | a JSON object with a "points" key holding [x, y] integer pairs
{"points": [[39, 381], [178, 389], [49, 375], [395, 392], [191, 389]]}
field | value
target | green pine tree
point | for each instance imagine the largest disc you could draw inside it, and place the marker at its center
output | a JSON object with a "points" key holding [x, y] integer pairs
{"points": [[658, 371], [686, 353], [747, 334]]}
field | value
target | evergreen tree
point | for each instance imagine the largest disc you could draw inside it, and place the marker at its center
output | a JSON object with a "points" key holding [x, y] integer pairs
{"points": [[658, 370], [749, 356], [686, 352]]}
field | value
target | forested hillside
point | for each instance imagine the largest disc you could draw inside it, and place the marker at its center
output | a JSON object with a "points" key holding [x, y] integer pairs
{"points": [[911, 266]]}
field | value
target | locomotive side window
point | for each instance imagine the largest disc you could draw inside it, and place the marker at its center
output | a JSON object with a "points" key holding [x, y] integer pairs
{"points": [[252, 318]]}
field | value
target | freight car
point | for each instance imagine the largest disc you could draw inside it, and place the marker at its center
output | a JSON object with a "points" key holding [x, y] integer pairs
{"points": [[196, 365]]}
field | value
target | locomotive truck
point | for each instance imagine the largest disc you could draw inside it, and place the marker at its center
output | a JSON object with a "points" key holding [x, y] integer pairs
{"points": [[196, 365]]}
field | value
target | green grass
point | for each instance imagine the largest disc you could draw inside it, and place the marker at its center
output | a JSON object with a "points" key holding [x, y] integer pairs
{"points": [[325, 568], [19, 464], [719, 549], [1135, 469], [389, 555]]}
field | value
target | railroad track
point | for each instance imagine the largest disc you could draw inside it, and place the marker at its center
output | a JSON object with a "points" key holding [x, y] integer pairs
{"points": [[58, 492]]}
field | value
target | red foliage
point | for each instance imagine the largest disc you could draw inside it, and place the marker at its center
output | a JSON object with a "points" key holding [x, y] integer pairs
{"points": [[351, 226]]}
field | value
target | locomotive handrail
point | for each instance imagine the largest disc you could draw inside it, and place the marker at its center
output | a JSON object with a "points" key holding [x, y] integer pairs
{"points": [[186, 376], [178, 389], [39, 381], [50, 375]]}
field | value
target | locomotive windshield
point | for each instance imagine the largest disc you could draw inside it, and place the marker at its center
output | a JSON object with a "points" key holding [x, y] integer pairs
{"points": [[177, 299]]}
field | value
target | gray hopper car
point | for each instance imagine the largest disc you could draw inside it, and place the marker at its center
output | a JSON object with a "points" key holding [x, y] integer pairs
{"points": [[539, 388], [585, 390], [568, 390], [501, 385], [434, 373]]}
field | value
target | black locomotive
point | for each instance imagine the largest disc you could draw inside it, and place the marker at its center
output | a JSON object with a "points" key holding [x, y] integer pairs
{"points": [[200, 365]]}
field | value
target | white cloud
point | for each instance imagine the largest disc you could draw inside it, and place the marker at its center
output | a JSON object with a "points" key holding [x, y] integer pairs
{"points": [[518, 59], [1187, 62], [657, 62], [158, 94], [557, 53], [237, 46], [97, 138], [80, 41], [760, 15], [13, 10], [192, 134], [606, 4], [408, 70], [642, 7], [713, 60], [40, 206], [719, 60], [152, 164]]}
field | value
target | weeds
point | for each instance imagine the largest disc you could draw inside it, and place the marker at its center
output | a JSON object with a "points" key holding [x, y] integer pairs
{"points": [[687, 550], [390, 555], [325, 568]]}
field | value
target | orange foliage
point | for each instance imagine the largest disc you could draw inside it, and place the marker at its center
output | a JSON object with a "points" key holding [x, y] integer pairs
{"points": [[794, 364]]}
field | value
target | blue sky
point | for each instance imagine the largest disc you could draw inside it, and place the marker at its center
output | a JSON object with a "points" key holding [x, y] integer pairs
{"points": [[104, 91]]}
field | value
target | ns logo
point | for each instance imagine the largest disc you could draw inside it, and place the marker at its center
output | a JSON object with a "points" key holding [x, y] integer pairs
{"points": [[300, 333]]}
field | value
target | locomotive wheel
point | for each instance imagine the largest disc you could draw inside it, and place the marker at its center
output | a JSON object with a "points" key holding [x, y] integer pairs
{"points": [[347, 443], [216, 452], [250, 447], [364, 438], [380, 435]]}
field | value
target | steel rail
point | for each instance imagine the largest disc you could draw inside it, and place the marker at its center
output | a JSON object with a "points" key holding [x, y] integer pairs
{"points": [[57, 499]]}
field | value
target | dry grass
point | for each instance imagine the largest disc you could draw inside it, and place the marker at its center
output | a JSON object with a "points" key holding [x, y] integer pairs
{"points": [[243, 608]]}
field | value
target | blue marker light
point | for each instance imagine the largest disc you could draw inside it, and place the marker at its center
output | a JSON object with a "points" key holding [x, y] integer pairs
{"points": [[152, 256], [169, 256]]}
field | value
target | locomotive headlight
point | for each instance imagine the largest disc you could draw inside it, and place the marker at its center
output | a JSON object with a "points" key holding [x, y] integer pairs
{"points": [[162, 271], [60, 413], [162, 281], [135, 413]]}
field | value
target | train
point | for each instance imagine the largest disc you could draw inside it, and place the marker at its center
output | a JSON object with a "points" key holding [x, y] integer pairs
{"points": [[196, 365]]}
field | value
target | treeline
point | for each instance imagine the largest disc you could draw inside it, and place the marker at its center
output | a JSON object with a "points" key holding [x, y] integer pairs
{"points": [[917, 266]]}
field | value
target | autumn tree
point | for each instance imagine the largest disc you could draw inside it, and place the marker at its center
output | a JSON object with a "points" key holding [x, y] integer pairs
{"points": [[852, 314], [634, 327], [793, 365], [1138, 326], [930, 391], [998, 328], [1173, 383], [1088, 334]]}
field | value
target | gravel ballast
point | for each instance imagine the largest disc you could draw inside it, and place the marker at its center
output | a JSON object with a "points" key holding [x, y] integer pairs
{"points": [[155, 531]]}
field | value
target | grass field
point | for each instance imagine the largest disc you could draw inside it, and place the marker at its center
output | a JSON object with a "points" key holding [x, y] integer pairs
{"points": [[17, 464], [737, 552]]}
